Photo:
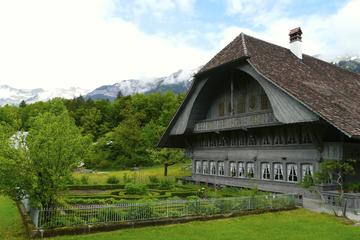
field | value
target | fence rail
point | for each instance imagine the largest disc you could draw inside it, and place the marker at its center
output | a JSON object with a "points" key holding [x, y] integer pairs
{"points": [[147, 211]]}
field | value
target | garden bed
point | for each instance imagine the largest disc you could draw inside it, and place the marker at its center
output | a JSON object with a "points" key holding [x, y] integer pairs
{"points": [[87, 218]]}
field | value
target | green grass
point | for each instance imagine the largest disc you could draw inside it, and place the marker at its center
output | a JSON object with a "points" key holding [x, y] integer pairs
{"points": [[10, 220], [100, 177], [290, 225]]}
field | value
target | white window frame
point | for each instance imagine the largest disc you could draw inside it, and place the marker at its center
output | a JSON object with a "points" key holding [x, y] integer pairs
{"points": [[278, 171], [291, 169], [250, 169], [307, 168], [265, 171], [241, 170], [232, 169], [205, 167], [198, 167], [221, 168], [212, 168]]}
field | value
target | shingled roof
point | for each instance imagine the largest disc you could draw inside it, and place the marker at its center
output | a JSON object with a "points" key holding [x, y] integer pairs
{"points": [[331, 92]]}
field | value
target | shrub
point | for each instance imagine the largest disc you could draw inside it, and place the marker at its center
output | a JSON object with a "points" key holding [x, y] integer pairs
{"points": [[112, 180], [165, 184], [184, 194], [135, 189], [307, 181], [95, 187], [353, 187], [103, 164], [109, 214], [127, 178], [154, 180], [141, 212], [84, 179]]}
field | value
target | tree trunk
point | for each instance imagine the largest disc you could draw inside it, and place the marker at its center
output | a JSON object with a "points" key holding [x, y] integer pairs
{"points": [[166, 170]]}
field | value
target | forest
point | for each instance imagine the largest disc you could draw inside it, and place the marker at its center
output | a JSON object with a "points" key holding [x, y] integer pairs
{"points": [[122, 133]]}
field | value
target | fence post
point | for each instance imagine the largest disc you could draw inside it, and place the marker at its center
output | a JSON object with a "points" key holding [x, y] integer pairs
{"points": [[35, 217]]}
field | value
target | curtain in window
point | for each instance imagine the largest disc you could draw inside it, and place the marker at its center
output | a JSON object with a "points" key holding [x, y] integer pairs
{"points": [[265, 170], [292, 172], [278, 171], [221, 169], [205, 167], [307, 170], [250, 170], [212, 168], [198, 166], [241, 169], [233, 169]]}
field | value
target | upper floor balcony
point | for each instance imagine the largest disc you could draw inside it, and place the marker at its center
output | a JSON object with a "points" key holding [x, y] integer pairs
{"points": [[248, 120]]}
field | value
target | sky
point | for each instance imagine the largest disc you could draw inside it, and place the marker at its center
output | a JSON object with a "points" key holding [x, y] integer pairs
{"points": [[89, 43]]}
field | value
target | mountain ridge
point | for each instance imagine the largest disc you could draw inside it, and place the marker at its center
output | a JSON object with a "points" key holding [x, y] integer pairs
{"points": [[177, 82]]}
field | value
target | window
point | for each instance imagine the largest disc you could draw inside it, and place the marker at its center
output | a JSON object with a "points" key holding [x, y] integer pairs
{"points": [[221, 109], [232, 169], [265, 171], [205, 166], [229, 110], [241, 103], [291, 137], [250, 170], [212, 168], [221, 168], [252, 140], [252, 102], [278, 172], [278, 138], [198, 166], [292, 174], [241, 169], [265, 104], [307, 170], [266, 140], [306, 136]]}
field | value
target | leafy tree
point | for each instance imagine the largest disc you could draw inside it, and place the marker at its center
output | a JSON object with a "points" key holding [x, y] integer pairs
{"points": [[40, 168], [15, 165], [167, 157], [22, 104], [337, 169]]}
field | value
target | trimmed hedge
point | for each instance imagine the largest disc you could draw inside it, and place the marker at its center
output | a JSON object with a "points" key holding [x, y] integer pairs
{"points": [[96, 187]]}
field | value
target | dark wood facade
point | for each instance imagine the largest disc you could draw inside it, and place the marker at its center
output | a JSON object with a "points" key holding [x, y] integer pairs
{"points": [[242, 129]]}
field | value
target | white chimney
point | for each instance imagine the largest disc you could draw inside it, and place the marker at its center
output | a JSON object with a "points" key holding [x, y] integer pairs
{"points": [[295, 42]]}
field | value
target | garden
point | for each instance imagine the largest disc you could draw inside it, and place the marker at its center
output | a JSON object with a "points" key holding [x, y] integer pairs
{"points": [[134, 199]]}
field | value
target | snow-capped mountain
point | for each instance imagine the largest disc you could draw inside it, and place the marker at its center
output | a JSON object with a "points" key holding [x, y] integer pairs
{"points": [[176, 82], [10, 95], [346, 58]]}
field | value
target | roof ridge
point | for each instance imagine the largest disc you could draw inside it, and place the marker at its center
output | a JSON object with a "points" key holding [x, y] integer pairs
{"points": [[318, 59], [246, 53], [258, 39]]}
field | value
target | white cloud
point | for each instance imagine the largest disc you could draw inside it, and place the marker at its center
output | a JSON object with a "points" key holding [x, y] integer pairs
{"points": [[158, 8], [47, 43], [328, 35]]}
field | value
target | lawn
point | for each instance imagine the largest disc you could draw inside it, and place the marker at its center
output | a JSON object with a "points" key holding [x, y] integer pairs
{"points": [[289, 225], [100, 177], [10, 221]]}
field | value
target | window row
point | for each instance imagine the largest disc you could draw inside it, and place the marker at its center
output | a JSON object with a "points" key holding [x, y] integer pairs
{"points": [[248, 139], [244, 103], [247, 170]]}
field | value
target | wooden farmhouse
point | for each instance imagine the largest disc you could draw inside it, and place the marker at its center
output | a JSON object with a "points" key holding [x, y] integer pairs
{"points": [[265, 116]]}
